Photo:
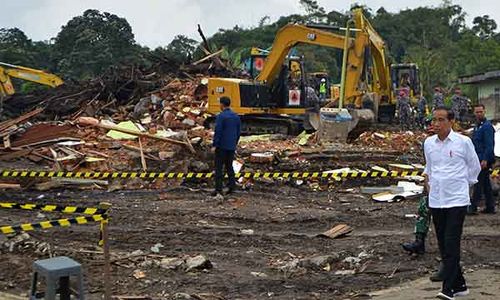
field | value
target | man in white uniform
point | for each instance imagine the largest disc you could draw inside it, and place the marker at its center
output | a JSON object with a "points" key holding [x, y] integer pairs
{"points": [[452, 167]]}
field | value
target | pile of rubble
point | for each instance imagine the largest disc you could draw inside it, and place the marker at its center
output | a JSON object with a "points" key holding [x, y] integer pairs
{"points": [[128, 119], [142, 120], [398, 141]]}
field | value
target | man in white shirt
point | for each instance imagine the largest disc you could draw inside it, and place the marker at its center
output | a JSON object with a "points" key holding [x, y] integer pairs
{"points": [[452, 166]]}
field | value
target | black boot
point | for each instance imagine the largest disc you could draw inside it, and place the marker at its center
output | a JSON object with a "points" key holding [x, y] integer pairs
{"points": [[418, 246], [439, 275]]}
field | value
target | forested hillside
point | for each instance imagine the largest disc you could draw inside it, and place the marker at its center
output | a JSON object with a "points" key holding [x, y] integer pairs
{"points": [[436, 38]]}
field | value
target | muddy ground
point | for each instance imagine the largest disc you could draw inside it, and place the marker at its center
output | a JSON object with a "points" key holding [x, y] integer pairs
{"points": [[272, 261]]}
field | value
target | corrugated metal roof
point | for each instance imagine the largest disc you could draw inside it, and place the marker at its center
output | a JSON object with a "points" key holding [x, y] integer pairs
{"points": [[469, 79]]}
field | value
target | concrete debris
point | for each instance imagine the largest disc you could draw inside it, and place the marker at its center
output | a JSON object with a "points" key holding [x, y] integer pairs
{"points": [[17, 240], [290, 266], [199, 262], [345, 272], [156, 248], [182, 296], [138, 274], [172, 263], [320, 261], [259, 274], [199, 166], [247, 232], [266, 157]]}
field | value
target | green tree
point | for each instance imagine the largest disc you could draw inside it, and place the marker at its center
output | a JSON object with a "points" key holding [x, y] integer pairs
{"points": [[484, 27], [15, 47], [182, 48], [90, 43], [314, 12]]}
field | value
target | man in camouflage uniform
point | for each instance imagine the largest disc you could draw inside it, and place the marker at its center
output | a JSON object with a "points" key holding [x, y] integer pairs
{"points": [[421, 109], [437, 98], [312, 99], [459, 105], [404, 108], [421, 228]]}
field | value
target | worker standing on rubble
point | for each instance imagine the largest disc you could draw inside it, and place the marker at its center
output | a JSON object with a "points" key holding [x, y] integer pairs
{"points": [[483, 138], [421, 109], [437, 98], [226, 137], [311, 98], [404, 108], [458, 104], [452, 166], [322, 90]]}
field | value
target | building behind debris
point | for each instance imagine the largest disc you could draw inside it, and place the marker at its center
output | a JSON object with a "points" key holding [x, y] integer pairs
{"points": [[488, 88]]}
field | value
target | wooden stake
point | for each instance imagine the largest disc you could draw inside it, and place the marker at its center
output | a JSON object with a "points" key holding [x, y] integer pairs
{"points": [[143, 160], [107, 261]]}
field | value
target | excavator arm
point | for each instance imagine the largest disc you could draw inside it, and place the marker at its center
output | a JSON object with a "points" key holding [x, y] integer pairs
{"points": [[293, 34], [381, 67], [365, 39], [288, 37], [8, 71]]}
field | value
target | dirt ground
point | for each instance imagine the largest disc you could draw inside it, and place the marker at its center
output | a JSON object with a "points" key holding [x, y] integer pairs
{"points": [[273, 261], [483, 284]]}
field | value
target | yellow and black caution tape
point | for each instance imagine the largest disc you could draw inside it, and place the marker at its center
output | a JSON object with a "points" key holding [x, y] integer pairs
{"points": [[54, 208], [52, 223], [193, 175], [101, 175]]}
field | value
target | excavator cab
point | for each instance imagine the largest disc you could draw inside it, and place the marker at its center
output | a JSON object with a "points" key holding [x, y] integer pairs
{"points": [[314, 80], [405, 76], [276, 107]]}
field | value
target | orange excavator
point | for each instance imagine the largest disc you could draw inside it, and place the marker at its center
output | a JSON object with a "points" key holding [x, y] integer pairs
{"points": [[275, 101]]}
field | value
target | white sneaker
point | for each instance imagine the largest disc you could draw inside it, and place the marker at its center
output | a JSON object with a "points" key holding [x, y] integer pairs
{"points": [[462, 292]]}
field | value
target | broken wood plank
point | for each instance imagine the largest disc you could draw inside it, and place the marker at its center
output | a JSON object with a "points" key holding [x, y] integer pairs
{"points": [[336, 231], [13, 186], [6, 141], [63, 182], [97, 153], [6, 124], [6, 296], [208, 57], [205, 42], [143, 160], [131, 298], [89, 121], [15, 154]]}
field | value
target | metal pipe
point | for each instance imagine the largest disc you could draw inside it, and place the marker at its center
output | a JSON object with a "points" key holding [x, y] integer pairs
{"points": [[330, 27], [344, 64]]}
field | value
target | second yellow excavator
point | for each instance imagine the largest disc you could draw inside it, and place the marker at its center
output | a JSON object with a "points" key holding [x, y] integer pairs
{"points": [[8, 71], [276, 100]]}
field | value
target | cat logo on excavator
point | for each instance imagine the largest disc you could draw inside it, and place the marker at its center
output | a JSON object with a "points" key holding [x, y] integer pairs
{"points": [[294, 97]]}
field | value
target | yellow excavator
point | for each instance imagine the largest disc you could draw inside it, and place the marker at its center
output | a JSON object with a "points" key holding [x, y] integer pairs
{"points": [[276, 100], [8, 71]]}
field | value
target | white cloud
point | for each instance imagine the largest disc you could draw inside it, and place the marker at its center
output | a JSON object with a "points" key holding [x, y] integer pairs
{"points": [[156, 22]]}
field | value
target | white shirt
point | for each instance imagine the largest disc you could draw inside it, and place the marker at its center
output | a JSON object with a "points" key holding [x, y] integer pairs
{"points": [[452, 166]]}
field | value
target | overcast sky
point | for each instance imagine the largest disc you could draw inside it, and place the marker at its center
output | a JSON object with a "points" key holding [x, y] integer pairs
{"points": [[156, 22]]}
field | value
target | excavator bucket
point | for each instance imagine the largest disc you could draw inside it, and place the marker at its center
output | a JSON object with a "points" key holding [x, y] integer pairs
{"points": [[335, 125], [312, 120]]}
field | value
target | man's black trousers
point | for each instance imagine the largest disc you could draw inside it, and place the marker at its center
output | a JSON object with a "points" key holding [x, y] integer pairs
{"points": [[224, 159], [483, 185], [449, 224]]}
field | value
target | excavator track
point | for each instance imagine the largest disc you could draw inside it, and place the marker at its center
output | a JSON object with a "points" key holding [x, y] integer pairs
{"points": [[265, 124]]}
